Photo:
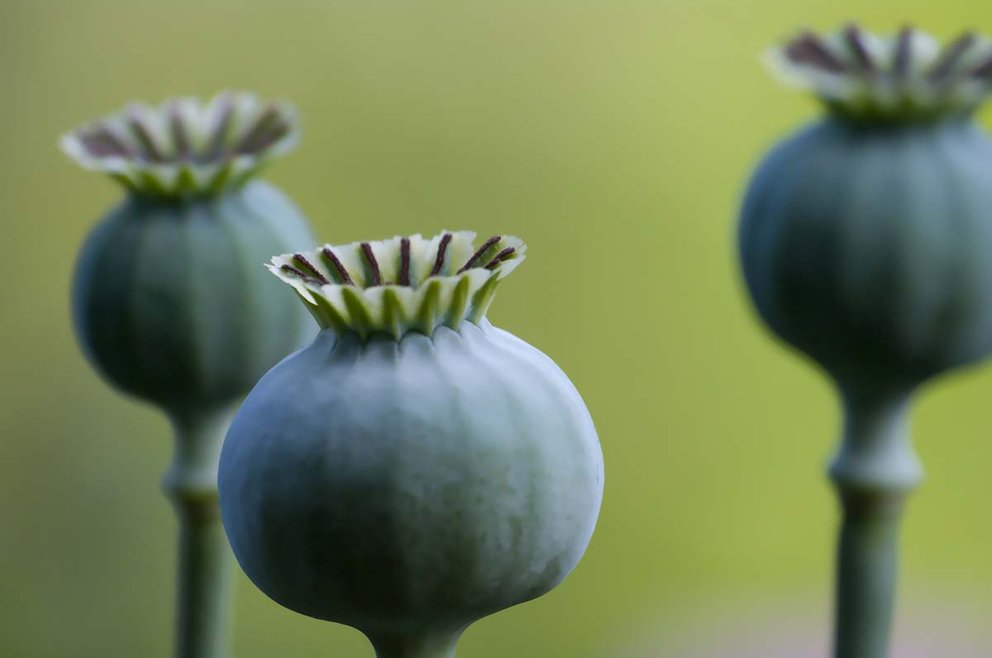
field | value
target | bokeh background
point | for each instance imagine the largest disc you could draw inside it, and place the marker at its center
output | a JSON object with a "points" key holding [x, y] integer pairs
{"points": [[616, 137]]}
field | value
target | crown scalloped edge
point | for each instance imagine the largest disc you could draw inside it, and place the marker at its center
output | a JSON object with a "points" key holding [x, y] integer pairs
{"points": [[905, 76], [403, 284], [185, 146]]}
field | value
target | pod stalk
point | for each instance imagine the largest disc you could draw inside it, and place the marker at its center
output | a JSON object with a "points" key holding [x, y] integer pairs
{"points": [[204, 581], [421, 645], [873, 472]]}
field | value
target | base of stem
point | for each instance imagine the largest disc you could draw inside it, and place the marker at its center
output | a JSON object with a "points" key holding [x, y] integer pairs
{"points": [[422, 644]]}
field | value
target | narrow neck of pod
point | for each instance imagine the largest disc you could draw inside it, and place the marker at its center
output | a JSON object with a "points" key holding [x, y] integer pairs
{"points": [[876, 457], [960, 123], [140, 198], [438, 644], [192, 476], [882, 123], [873, 471]]}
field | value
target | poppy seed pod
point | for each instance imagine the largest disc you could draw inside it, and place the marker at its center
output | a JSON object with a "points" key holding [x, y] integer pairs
{"points": [[866, 243], [171, 303], [866, 238], [415, 468], [169, 288]]}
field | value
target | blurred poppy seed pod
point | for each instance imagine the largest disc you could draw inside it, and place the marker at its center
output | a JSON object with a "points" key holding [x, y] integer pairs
{"points": [[170, 299], [866, 243], [172, 304], [415, 468]]}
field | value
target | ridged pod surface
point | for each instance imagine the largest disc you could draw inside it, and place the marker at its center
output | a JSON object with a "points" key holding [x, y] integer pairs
{"points": [[171, 300], [870, 248], [408, 479]]}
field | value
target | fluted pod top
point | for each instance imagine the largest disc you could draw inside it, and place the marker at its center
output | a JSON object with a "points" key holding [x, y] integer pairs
{"points": [[905, 76], [402, 284], [185, 146]]}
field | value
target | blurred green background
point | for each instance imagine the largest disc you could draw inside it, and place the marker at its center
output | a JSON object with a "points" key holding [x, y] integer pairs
{"points": [[616, 137]]}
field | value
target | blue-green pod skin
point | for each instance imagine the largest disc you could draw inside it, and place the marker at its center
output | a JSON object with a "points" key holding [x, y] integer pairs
{"points": [[172, 302], [869, 247], [411, 487]]}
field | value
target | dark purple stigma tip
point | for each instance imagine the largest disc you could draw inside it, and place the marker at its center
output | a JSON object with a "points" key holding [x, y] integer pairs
{"points": [[404, 262], [144, 138], [855, 41], [258, 136], [470, 263], [442, 248], [809, 49], [903, 51], [299, 273], [983, 71], [951, 56], [500, 257], [374, 274], [179, 135], [218, 142], [101, 142], [308, 267], [337, 266]]}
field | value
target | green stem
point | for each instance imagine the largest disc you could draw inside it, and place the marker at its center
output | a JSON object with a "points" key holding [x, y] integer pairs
{"points": [[874, 471], [205, 565], [867, 559], [415, 645]]}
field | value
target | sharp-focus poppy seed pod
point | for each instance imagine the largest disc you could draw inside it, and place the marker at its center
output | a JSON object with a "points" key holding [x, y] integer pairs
{"points": [[866, 243], [415, 468], [172, 304]]}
